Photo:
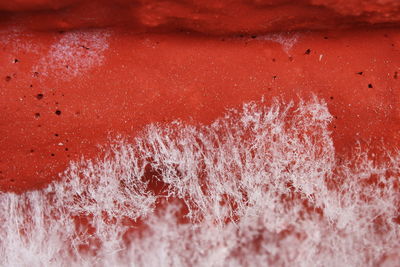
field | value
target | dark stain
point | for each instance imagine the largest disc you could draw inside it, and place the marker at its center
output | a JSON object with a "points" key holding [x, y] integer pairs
{"points": [[370, 85], [326, 37], [254, 36], [56, 134], [85, 47], [396, 75], [273, 60], [66, 149], [308, 51], [331, 97], [52, 154], [37, 115], [39, 96], [8, 78], [58, 112], [32, 150], [360, 73], [36, 74]]}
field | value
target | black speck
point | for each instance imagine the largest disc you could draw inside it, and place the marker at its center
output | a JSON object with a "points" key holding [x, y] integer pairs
{"points": [[254, 36], [360, 73], [56, 134], [370, 86], [334, 126], [15, 60], [308, 51], [274, 77], [52, 154], [39, 96], [66, 149], [58, 112], [8, 78], [31, 85], [37, 115], [331, 97]]}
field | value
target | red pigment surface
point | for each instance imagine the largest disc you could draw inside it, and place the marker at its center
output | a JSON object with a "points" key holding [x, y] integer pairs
{"points": [[163, 61]]}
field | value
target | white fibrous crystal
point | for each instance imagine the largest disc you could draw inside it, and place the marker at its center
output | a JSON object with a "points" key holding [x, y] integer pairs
{"points": [[260, 186]]}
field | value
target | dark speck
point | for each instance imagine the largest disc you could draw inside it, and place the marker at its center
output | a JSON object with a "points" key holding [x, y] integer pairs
{"points": [[254, 36], [39, 96], [36, 74], [396, 75], [37, 115], [370, 86], [15, 60], [66, 149], [56, 134], [331, 97], [52, 154], [32, 151], [308, 51], [360, 73], [8, 78], [58, 112]]}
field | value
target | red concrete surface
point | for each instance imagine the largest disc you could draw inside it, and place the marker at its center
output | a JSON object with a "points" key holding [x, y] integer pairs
{"points": [[181, 60]]}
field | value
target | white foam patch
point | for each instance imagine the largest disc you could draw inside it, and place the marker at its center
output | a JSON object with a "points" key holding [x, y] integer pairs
{"points": [[74, 54], [286, 40], [262, 186]]}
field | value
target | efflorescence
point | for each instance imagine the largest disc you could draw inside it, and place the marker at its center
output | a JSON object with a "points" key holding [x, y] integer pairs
{"points": [[260, 186]]}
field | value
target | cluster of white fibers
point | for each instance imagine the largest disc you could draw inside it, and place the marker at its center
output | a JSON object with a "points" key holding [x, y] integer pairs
{"points": [[260, 186]]}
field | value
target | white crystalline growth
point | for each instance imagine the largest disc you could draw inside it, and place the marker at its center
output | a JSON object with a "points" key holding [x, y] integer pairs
{"points": [[73, 54], [260, 187]]}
